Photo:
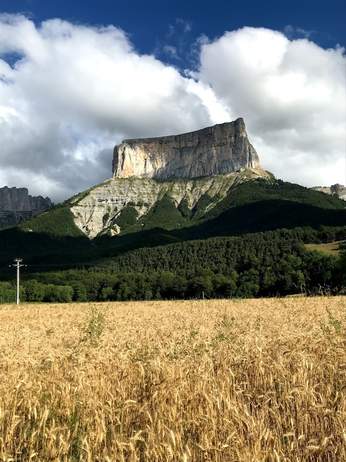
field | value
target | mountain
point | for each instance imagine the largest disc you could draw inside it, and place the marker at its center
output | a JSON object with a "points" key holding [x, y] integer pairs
{"points": [[170, 181], [336, 190], [222, 190], [16, 205]]}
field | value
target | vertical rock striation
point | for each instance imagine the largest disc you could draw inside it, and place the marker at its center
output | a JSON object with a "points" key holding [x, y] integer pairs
{"points": [[170, 181], [217, 150]]}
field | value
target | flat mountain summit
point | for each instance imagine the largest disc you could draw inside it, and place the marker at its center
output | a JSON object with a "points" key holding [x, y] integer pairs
{"points": [[217, 150], [169, 180], [203, 183]]}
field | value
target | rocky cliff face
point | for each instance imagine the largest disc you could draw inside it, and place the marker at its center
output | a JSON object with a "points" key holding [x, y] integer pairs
{"points": [[17, 205], [216, 150], [168, 181], [120, 203], [336, 189]]}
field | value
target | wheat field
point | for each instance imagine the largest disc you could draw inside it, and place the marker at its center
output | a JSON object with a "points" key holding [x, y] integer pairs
{"points": [[251, 380]]}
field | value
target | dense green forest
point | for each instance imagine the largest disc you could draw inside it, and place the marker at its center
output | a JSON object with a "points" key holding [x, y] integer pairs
{"points": [[259, 216], [249, 245], [262, 264]]}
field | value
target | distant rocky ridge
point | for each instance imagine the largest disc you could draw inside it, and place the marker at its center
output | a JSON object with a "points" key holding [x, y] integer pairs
{"points": [[16, 205], [336, 189], [217, 150]]}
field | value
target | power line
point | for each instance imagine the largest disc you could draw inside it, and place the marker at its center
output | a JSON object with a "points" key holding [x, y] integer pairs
{"points": [[17, 264]]}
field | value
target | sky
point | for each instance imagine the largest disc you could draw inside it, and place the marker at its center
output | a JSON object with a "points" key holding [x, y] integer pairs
{"points": [[77, 77]]}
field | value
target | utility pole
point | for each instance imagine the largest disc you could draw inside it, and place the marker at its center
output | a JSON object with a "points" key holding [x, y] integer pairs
{"points": [[17, 264]]}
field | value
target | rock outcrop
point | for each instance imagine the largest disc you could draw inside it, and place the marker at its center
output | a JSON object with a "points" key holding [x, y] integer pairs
{"points": [[16, 205], [103, 208], [217, 150], [178, 178], [336, 189]]}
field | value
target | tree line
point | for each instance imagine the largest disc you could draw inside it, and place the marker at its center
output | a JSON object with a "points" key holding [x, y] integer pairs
{"points": [[255, 265]]}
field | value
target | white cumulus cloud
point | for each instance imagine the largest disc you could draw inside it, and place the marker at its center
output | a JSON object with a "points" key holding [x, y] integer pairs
{"points": [[69, 93], [292, 94], [72, 93]]}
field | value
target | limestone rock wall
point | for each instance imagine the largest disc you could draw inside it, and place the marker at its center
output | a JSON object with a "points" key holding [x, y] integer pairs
{"points": [[216, 150], [188, 171], [98, 211]]}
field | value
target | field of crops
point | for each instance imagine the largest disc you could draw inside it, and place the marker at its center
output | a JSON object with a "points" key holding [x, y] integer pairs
{"points": [[330, 248], [251, 380]]}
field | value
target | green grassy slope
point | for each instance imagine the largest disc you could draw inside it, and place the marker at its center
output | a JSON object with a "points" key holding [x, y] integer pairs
{"points": [[262, 190], [166, 215], [57, 221]]}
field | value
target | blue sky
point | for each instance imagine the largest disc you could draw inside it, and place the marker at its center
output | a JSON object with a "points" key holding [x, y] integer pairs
{"points": [[150, 23], [77, 77]]}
